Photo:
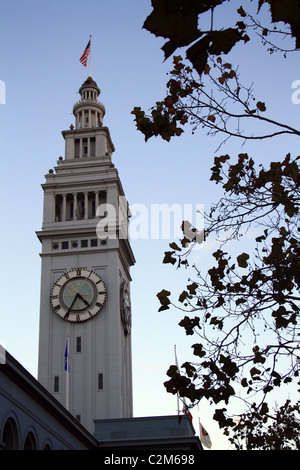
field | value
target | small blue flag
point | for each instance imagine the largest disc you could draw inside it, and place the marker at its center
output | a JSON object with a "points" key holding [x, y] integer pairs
{"points": [[67, 366]]}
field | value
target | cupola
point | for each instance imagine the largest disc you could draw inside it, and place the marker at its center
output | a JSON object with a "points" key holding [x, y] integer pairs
{"points": [[88, 111]]}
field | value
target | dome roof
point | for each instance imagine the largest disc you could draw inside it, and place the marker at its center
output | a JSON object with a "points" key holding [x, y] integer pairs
{"points": [[89, 83]]}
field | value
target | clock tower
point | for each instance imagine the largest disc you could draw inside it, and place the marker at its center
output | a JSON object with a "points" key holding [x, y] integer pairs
{"points": [[85, 312]]}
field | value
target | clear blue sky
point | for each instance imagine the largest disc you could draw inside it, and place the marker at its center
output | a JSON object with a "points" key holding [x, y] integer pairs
{"points": [[41, 43]]}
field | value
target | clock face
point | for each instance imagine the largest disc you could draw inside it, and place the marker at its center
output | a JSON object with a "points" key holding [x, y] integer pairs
{"points": [[78, 295], [125, 308]]}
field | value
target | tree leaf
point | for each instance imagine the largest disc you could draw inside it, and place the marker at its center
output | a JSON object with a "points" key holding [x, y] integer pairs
{"points": [[242, 260], [241, 12], [215, 43], [174, 246], [223, 41], [198, 54], [169, 258], [192, 288], [189, 324], [164, 300], [198, 350], [221, 418], [183, 296], [229, 367], [261, 106], [264, 409], [244, 382], [176, 20], [254, 372], [289, 13]]}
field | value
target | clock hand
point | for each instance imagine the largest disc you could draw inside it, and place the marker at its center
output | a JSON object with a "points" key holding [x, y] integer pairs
{"points": [[81, 298], [70, 308]]}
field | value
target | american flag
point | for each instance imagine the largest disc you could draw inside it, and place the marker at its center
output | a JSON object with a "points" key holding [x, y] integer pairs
{"points": [[84, 57]]}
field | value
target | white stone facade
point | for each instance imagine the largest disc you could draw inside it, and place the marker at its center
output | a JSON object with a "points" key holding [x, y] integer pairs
{"points": [[99, 384]]}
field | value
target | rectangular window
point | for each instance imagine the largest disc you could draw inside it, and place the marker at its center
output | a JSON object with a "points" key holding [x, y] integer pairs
{"points": [[84, 243], [77, 148], [71, 211], [85, 146], [81, 209], [94, 242], [78, 344], [78, 417], [100, 381], [56, 384], [92, 147], [58, 207], [64, 245], [93, 208]]}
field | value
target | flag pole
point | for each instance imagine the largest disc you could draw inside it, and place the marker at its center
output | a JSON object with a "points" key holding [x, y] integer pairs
{"points": [[185, 407], [90, 60], [67, 369], [176, 362]]}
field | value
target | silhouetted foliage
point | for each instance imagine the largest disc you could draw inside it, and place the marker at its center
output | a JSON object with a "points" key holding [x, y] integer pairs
{"points": [[245, 309]]}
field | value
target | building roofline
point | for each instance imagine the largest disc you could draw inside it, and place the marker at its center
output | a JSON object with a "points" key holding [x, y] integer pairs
{"points": [[13, 369]]}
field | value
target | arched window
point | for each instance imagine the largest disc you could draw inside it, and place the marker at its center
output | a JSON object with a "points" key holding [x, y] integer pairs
{"points": [[10, 437], [30, 442]]}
